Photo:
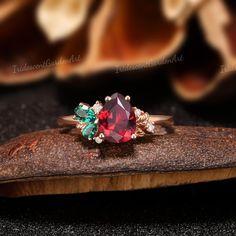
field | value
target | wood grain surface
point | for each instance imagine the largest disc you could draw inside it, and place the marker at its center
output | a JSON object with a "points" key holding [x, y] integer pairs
{"points": [[59, 161]]}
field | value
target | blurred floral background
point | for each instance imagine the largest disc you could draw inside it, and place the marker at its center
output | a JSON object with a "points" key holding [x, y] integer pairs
{"points": [[190, 43]]}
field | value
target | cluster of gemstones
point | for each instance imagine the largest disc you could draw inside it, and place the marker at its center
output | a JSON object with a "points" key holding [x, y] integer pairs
{"points": [[87, 117], [117, 121]]}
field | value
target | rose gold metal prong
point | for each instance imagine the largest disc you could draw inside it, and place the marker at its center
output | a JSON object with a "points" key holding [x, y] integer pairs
{"points": [[127, 98], [133, 136], [79, 126], [107, 98], [101, 136], [96, 121]]}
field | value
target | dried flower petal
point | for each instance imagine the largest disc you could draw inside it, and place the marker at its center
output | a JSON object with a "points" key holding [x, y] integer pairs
{"points": [[59, 18]]}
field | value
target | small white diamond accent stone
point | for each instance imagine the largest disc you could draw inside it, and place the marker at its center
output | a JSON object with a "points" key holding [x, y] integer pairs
{"points": [[97, 108], [98, 140], [137, 112], [151, 128], [85, 107]]}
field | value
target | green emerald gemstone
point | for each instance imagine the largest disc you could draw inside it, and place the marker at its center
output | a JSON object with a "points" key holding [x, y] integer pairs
{"points": [[84, 114], [89, 131]]}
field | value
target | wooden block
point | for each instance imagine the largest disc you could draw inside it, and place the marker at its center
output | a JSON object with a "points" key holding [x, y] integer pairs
{"points": [[58, 161]]}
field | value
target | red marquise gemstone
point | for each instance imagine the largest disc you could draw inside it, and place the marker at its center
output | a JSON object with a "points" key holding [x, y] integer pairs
{"points": [[117, 120]]}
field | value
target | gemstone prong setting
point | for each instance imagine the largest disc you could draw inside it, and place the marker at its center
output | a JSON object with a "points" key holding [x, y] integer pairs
{"points": [[107, 98], [127, 98], [115, 121]]}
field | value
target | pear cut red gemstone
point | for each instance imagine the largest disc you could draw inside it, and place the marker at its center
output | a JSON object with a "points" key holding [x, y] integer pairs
{"points": [[117, 120]]}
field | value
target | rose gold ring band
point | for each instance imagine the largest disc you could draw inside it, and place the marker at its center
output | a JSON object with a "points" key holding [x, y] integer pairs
{"points": [[156, 119]]}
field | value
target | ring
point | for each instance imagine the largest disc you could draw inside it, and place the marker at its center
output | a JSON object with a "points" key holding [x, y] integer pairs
{"points": [[116, 121]]}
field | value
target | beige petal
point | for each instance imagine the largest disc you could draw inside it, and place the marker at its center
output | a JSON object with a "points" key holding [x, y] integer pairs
{"points": [[214, 17], [215, 77], [60, 18], [179, 10], [123, 33]]}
